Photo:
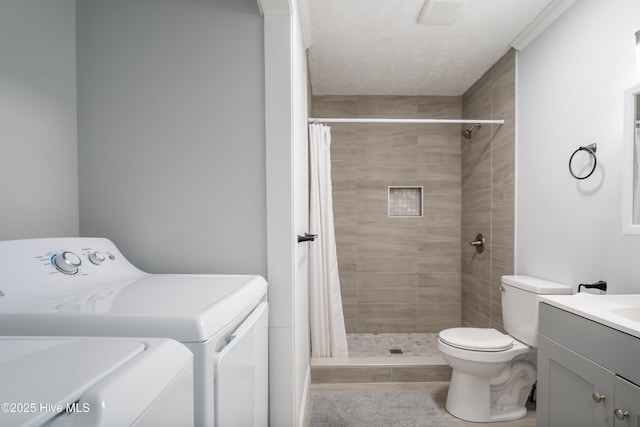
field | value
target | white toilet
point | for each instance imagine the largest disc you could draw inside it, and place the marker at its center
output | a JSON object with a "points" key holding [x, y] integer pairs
{"points": [[492, 375]]}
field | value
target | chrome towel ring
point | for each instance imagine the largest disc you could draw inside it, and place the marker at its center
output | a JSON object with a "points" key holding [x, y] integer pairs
{"points": [[591, 149]]}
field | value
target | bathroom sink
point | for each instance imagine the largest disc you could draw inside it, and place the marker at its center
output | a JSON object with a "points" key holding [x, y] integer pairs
{"points": [[630, 313], [620, 312]]}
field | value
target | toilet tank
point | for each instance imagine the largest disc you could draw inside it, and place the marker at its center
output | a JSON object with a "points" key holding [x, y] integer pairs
{"points": [[520, 295]]}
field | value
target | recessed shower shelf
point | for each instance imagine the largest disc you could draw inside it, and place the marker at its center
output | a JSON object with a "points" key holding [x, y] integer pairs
{"points": [[405, 201]]}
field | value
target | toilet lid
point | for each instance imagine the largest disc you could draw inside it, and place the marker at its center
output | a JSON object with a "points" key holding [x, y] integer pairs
{"points": [[478, 339]]}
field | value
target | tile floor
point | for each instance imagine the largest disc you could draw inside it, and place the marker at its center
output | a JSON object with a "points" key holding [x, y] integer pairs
{"points": [[438, 391], [379, 345], [412, 344]]}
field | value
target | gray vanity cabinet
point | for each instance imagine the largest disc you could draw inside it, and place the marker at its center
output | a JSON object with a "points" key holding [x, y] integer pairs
{"points": [[582, 366]]}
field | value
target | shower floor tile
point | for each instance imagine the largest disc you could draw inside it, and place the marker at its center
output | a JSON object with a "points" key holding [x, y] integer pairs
{"points": [[387, 344]]}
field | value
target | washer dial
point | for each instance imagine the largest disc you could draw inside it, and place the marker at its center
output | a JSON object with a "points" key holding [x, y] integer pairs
{"points": [[96, 257], [67, 262]]}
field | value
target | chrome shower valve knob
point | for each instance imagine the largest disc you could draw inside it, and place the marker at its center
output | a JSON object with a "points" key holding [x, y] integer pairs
{"points": [[478, 243]]}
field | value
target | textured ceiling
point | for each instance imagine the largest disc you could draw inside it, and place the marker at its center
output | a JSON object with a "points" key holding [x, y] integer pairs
{"points": [[376, 47]]}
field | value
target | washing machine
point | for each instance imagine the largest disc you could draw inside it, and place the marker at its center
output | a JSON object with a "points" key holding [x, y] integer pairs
{"points": [[98, 382], [86, 287]]}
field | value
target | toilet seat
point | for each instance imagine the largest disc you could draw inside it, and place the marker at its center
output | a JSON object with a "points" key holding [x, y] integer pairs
{"points": [[476, 339]]}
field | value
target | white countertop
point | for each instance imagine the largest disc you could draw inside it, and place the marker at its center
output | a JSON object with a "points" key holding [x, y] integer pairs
{"points": [[600, 308]]}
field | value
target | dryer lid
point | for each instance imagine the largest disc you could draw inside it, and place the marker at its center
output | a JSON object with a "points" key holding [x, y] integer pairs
{"points": [[185, 307], [49, 375], [477, 339]]}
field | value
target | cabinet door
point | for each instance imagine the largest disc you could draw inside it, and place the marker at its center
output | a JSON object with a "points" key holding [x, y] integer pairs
{"points": [[567, 383], [627, 402]]}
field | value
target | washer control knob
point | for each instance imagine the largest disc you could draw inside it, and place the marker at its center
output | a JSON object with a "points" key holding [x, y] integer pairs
{"points": [[96, 258], [67, 262]]}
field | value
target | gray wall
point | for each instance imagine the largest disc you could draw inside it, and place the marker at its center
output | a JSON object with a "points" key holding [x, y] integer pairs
{"points": [[171, 132], [570, 231], [38, 164]]}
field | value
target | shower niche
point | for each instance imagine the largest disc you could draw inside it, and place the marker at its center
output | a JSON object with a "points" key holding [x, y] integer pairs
{"points": [[405, 201]]}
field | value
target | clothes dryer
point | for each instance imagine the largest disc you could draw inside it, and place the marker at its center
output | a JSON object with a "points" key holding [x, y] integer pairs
{"points": [[97, 382], [86, 287]]}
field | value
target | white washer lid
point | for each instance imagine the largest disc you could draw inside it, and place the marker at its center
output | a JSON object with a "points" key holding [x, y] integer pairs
{"points": [[478, 339], [48, 374], [186, 308]]}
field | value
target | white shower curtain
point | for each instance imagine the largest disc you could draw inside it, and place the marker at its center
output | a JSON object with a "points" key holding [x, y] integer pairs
{"points": [[328, 335]]}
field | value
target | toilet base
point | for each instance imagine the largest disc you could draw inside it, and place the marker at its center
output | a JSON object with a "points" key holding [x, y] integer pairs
{"points": [[469, 398]]}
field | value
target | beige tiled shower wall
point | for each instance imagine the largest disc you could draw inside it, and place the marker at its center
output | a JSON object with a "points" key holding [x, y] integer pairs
{"points": [[397, 274], [488, 188]]}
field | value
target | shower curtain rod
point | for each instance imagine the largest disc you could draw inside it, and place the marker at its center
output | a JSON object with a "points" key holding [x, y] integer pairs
{"points": [[344, 120]]}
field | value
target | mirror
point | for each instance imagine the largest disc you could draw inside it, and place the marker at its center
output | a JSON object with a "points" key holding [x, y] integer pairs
{"points": [[631, 172]]}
